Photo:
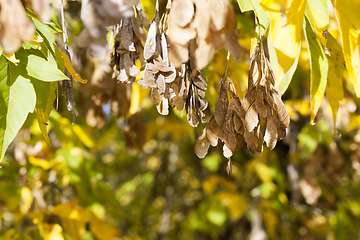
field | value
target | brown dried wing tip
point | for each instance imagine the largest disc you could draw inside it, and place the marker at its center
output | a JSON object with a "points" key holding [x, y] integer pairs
{"points": [[202, 145]]}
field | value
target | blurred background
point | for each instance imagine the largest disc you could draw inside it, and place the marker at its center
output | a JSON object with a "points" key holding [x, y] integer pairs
{"points": [[123, 171]]}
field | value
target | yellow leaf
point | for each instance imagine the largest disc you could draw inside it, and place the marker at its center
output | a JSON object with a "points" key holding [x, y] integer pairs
{"points": [[213, 180], [26, 199], [52, 232], [263, 172], [83, 136], [318, 14], [347, 14], [318, 71], [11, 234], [74, 218], [36, 41], [270, 218], [102, 230], [39, 162], [210, 184], [234, 202], [334, 88], [137, 96], [11, 57], [286, 25], [71, 211], [71, 69]]}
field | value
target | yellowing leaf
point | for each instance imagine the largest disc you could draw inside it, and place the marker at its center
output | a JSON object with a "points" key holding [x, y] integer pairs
{"points": [[11, 57], [269, 217], [286, 24], [318, 71], [235, 204], [210, 184], [45, 96], [347, 13], [11, 234], [44, 164], [52, 232], [74, 218], [263, 172], [283, 79], [70, 211], [26, 199], [334, 88], [318, 15], [247, 5], [137, 96], [83, 136], [102, 230], [71, 69]]}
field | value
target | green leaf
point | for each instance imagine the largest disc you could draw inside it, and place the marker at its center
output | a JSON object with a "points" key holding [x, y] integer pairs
{"points": [[318, 15], [334, 88], [248, 5], [216, 216], [38, 67], [318, 70], [45, 97], [17, 99], [45, 32]]}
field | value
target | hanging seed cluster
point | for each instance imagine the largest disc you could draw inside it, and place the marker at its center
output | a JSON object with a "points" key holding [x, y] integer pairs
{"points": [[225, 125], [177, 87], [198, 28], [233, 121], [128, 35], [262, 103]]}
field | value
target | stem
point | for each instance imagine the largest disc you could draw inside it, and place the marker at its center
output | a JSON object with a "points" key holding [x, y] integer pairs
{"points": [[226, 68], [65, 36]]}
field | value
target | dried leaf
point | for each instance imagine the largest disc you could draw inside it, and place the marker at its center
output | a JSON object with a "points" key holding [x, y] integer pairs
{"points": [[131, 69], [232, 45], [179, 35], [271, 133], [238, 124], [254, 140], [150, 44], [227, 152], [164, 48], [202, 19], [127, 35], [218, 13], [42, 9], [155, 96], [239, 141], [251, 119], [183, 12], [204, 53], [15, 26], [282, 115], [221, 105], [138, 30], [202, 145], [163, 107], [229, 135], [259, 103], [212, 132]]}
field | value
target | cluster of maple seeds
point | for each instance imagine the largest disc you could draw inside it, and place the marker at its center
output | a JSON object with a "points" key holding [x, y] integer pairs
{"points": [[182, 87], [199, 28], [233, 121], [128, 35]]}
